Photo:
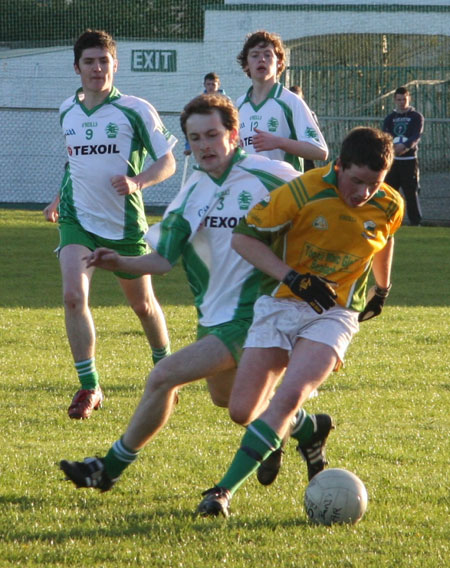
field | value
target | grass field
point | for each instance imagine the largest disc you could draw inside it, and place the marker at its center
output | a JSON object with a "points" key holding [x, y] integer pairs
{"points": [[390, 402]]}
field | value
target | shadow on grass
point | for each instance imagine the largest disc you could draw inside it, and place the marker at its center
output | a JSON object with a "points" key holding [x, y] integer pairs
{"points": [[136, 524]]}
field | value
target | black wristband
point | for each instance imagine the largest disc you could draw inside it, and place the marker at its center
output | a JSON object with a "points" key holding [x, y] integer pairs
{"points": [[290, 277], [383, 292]]}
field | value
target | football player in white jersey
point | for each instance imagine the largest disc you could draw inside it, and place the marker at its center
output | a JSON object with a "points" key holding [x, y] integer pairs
{"points": [[196, 227], [273, 121], [107, 135]]}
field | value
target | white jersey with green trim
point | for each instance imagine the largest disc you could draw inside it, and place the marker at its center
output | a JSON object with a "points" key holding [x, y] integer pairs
{"points": [[114, 138], [197, 226], [283, 114]]}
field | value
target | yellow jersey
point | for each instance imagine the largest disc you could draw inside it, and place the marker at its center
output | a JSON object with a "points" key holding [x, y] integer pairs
{"points": [[309, 226]]}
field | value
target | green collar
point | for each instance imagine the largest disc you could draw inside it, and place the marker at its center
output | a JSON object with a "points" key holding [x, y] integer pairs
{"points": [[113, 95], [238, 156], [331, 175], [274, 91]]}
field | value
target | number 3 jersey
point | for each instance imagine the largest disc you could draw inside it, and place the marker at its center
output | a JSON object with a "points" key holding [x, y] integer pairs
{"points": [[283, 114], [197, 226], [113, 138]]}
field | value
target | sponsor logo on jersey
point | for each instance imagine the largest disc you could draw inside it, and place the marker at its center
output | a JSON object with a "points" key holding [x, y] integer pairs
{"points": [[320, 223], [69, 132], [272, 124], [112, 130], [89, 149], [245, 199], [222, 194], [221, 222], [311, 133], [325, 261], [202, 210], [369, 232], [247, 141]]}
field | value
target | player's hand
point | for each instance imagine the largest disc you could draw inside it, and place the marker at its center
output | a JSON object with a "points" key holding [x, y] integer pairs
{"points": [[315, 290], [103, 258], [400, 149], [263, 141], [125, 185], [51, 213], [375, 302]]}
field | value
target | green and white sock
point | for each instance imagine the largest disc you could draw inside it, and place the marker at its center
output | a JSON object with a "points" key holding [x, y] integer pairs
{"points": [[118, 458], [87, 374], [303, 428], [259, 441], [158, 354]]}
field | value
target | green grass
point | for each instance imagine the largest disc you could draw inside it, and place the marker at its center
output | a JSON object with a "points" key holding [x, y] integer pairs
{"points": [[390, 403]]}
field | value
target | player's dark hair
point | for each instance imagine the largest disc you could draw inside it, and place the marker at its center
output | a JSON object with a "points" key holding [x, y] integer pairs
{"points": [[93, 38], [369, 147], [401, 91], [263, 37], [297, 90], [211, 77], [207, 104]]}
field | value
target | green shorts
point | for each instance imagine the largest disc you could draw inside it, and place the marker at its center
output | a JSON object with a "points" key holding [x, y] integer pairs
{"points": [[72, 233], [232, 334]]}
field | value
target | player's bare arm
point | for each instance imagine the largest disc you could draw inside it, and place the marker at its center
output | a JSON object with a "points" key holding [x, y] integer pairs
{"points": [[377, 295], [159, 171], [265, 141], [259, 254], [51, 212], [382, 263], [108, 259]]}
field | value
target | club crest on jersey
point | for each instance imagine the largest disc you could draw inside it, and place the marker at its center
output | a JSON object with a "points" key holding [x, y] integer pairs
{"points": [[369, 230], [112, 130], [244, 200], [272, 124], [320, 223], [311, 133]]}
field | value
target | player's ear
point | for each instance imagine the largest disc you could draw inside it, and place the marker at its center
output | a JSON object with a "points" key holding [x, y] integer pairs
{"points": [[338, 165], [77, 69], [234, 136], [116, 65]]}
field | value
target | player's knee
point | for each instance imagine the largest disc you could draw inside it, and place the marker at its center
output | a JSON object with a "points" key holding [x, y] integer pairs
{"points": [[162, 379], [74, 299], [142, 309], [219, 399], [240, 413]]}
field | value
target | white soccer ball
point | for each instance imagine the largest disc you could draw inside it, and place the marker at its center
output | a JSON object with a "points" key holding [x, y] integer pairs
{"points": [[335, 496], [400, 140]]}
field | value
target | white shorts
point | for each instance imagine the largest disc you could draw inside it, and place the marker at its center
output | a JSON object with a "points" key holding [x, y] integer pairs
{"points": [[279, 322]]}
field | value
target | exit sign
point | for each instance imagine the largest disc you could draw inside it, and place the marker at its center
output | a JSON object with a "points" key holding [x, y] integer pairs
{"points": [[162, 60]]}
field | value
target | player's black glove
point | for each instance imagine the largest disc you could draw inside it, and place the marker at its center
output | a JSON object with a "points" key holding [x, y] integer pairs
{"points": [[375, 302], [313, 289]]}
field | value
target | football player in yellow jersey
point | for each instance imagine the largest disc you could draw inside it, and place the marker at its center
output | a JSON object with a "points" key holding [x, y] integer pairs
{"points": [[318, 237]]}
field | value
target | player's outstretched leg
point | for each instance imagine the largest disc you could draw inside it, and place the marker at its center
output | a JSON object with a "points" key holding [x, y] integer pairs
{"points": [[88, 473], [312, 445]]}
